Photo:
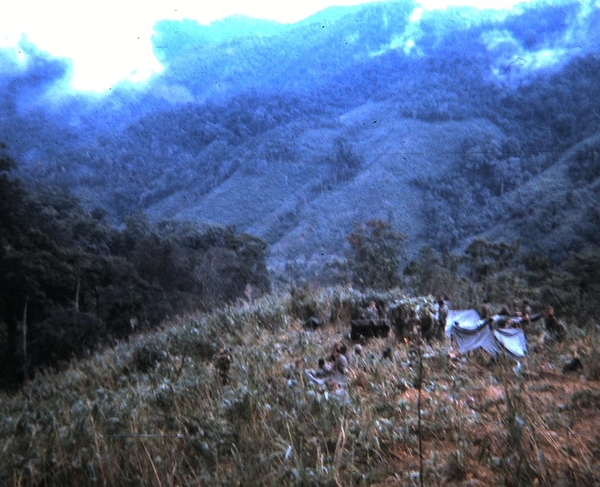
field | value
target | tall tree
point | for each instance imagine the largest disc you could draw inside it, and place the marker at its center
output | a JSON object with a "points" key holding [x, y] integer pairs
{"points": [[376, 252]]}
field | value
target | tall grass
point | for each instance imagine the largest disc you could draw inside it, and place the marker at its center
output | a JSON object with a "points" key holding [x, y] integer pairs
{"points": [[154, 412]]}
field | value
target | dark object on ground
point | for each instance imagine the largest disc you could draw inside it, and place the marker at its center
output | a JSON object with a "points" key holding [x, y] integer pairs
{"points": [[387, 353], [313, 323], [369, 329], [573, 365]]}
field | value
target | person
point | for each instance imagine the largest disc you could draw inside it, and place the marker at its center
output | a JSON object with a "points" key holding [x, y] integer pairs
{"points": [[341, 361], [504, 311], [526, 314], [324, 369], [387, 354], [442, 314], [554, 327], [486, 310], [516, 312], [371, 313], [223, 362]]}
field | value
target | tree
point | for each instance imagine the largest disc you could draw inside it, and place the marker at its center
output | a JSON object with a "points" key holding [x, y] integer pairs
{"points": [[345, 163], [485, 258], [376, 251]]}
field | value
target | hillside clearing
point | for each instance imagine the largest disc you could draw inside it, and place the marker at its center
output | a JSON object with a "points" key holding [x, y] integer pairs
{"points": [[152, 411]]}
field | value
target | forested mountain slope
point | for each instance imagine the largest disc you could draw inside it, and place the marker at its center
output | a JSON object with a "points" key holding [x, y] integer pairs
{"points": [[435, 121]]}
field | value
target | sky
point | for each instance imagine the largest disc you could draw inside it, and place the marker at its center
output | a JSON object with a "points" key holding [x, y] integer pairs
{"points": [[108, 41]]}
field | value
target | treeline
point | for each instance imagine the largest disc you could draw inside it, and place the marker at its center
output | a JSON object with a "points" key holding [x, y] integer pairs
{"points": [[499, 271], [70, 282]]}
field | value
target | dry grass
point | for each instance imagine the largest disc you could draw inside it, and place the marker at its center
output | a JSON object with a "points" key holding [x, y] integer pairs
{"points": [[153, 412]]}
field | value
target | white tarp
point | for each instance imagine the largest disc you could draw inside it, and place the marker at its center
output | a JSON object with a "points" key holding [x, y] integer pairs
{"points": [[468, 319], [470, 333]]}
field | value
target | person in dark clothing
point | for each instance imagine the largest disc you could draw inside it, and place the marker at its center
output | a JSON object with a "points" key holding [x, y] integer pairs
{"points": [[222, 363], [443, 314], [324, 369], [486, 309], [554, 327]]}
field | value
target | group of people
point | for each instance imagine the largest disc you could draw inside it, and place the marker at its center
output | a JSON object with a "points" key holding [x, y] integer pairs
{"points": [[523, 317], [336, 366], [337, 362]]}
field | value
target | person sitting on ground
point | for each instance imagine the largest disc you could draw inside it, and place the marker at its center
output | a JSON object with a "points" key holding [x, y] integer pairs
{"points": [[324, 369], [554, 327], [387, 353], [341, 361]]}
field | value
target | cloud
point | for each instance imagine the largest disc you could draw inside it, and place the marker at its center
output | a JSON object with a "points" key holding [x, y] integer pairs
{"points": [[109, 41], [27, 75]]}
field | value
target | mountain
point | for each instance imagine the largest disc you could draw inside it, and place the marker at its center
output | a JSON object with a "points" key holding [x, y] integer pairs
{"points": [[446, 124]]}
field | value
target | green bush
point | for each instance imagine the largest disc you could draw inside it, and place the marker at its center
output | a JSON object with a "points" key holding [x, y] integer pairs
{"points": [[376, 252]]}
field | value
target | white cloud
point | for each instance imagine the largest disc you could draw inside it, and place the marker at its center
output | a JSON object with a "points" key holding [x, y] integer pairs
{"points": [[109, 41]]}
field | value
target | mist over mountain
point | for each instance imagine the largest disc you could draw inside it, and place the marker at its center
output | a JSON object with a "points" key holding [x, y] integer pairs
{"points": [[447, 124]]}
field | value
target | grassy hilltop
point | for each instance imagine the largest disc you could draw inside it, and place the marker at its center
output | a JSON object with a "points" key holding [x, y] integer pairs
{"points": [[153, 412]]}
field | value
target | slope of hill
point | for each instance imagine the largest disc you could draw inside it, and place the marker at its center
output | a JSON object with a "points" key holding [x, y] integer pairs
{"points": [[159, 411], [299, 207], [557, 212]]}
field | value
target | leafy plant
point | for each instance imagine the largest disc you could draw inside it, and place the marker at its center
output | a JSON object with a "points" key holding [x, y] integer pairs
{"points": [[376, 252]]}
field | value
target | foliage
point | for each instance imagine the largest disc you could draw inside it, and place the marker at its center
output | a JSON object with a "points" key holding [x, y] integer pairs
{"points": [[376, 252], [433, 274], [485, 258], [69, 282], [345, 163], [585, 164]]}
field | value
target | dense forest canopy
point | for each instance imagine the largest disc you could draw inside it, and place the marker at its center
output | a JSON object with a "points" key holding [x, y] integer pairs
{"points": [[70, 282]]}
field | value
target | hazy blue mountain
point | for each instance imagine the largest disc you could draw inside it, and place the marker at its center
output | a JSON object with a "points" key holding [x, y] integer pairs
{"points": [[443, 123]]}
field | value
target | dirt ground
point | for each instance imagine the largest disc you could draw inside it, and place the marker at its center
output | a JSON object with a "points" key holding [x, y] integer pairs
{"points": [[541, 426]]}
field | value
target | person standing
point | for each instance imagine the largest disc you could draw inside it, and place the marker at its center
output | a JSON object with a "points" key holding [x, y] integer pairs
{"points": [[555, 327], [443, 312], [486, 309], [526, 314]]}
